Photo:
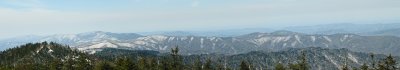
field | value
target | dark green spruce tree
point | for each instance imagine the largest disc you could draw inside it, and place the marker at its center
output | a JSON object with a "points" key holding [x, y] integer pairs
{"points": [[124, 63], [364, 67], [197, 65], [388, 63], [208, 65], [176, 63], [244, 65], [280, 66]]}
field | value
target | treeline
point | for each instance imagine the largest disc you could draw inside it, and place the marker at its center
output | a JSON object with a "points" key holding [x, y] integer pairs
{"points": [[75, 60]]}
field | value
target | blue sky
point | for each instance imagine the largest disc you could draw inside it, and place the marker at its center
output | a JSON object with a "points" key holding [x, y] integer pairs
{"points": [[44, 17]]}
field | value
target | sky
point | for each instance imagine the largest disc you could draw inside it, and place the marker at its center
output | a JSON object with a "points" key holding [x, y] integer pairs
{"points": [[46, 17]]}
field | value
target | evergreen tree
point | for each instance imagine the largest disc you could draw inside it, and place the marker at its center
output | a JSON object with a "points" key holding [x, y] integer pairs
{"points": [[373, 61], [387, 64], [142, 65], [208, 65], [294, 66], [244, 65], [152, 64], [27, 64], [164, 64], [176, 59], [55, 64], [220, 65], [197, 65], [102, 65], [124, 63], [364, 67], [68, 64], [303, 62], [381, 66], [83, 62], [345, 67], [302, 65], [354, 68], [280, 66], [390, 63]]}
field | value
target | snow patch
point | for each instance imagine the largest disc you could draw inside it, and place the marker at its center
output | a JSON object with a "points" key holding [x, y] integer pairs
{"points": [[261, 40], [159, 37], [327, 39], [297, 38], [125, 44], [50, 50], [171, 38], [313, 38], [184, 38], [279, 39], [103, 45], [92, 52], [152, 39], [332, 61], [163, 48], [344, 38], [38, 50], [287, 38], [211, 38], [352, 58]]}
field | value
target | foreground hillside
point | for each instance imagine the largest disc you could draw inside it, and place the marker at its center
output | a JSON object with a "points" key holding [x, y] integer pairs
{"points": [[43, 56], [53, 56]]}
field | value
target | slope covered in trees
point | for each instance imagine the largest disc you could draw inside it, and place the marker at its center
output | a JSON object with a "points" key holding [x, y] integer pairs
{"points": [[44, 56], [53, 56]]}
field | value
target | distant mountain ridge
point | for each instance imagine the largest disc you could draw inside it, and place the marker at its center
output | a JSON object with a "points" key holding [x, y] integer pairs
{"points": [[388, 29], [217, 33], [361, 29], [274, 41]]}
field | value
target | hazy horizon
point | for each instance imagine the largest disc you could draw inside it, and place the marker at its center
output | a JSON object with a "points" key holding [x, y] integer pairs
{"points": [[47, 17]]}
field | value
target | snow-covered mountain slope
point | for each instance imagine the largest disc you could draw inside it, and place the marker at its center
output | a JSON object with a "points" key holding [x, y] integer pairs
{"points": [[70, 39], [96, 36], [275, 41]]}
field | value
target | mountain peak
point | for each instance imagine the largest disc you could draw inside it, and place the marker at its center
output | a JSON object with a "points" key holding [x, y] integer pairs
{"points": [[284, 32], [99, 32]]}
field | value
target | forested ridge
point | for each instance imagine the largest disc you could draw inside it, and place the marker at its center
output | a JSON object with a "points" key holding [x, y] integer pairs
{"points": [[54, 56]]}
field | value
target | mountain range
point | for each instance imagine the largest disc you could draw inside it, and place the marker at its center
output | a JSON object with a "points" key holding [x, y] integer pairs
{"points": [[370, 38], [325, 46], [361, 29], [275, 41], [388, 29]]}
